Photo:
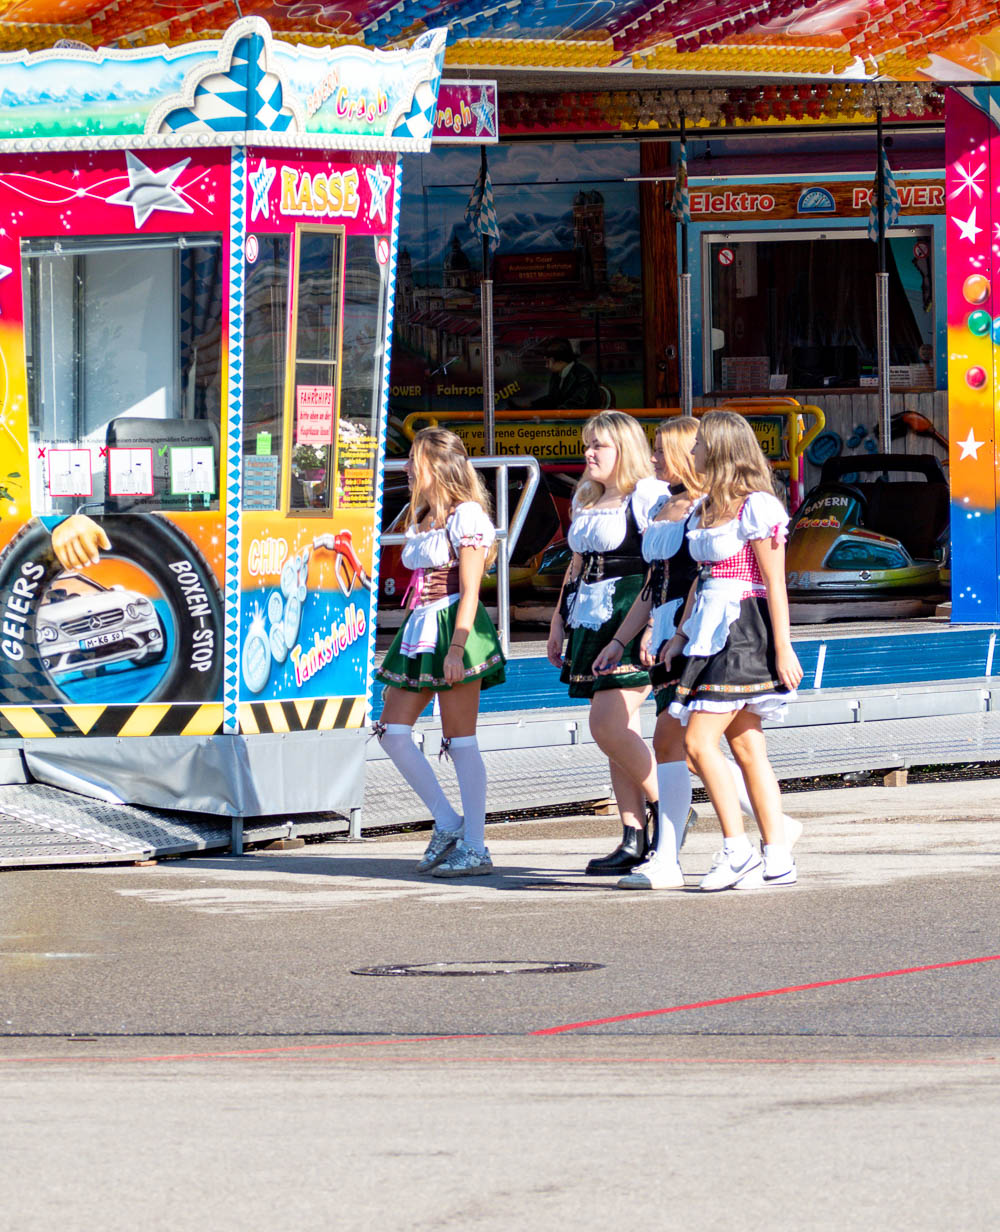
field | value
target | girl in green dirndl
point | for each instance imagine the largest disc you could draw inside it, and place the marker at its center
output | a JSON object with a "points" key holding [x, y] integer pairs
{"points": [[448, 646], [611, 509]]}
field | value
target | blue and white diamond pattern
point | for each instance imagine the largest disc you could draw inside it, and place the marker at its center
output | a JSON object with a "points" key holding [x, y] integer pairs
{"points": [[234, 439], [418, 124], [383, 424], [248, 97]]}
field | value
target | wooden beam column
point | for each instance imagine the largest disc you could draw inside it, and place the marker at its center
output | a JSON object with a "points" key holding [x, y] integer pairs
{"points": [[658, 237]]}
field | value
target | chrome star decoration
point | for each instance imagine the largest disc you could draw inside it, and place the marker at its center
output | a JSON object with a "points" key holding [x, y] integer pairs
{"points": [[379, 184], [150, 190]]}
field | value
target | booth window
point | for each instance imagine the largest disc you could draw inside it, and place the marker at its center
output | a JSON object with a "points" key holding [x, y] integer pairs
{"points": [[265, 343], [797, 311], [122, 341], [316, 325]]}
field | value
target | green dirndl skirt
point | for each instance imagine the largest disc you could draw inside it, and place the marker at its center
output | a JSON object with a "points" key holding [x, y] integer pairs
{"points": [[483, 659], [584, 645]]}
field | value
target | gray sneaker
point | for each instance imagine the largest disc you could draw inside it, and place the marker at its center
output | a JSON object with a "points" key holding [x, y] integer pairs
{"points": [[465, 861], [441, 843]]}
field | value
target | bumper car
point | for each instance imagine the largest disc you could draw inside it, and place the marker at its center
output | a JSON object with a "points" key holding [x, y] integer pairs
{"points": [[870, 540]]}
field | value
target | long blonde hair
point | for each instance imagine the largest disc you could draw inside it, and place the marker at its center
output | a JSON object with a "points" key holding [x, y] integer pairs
{"points": [[735, 465], [634, 461], [443, 478], [675, 437]]}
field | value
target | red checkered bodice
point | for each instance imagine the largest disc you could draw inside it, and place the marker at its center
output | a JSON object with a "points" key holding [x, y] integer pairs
{"points": [[742, 567]]}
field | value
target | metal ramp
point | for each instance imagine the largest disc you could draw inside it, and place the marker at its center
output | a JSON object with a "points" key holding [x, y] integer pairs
{"points": [[41, 825]]}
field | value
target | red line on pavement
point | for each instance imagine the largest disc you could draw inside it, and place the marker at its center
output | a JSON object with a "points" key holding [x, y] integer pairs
{"points": [[250, 1053], [767, 992]]}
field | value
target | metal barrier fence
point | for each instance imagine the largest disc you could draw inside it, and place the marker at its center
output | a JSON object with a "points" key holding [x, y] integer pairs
{"points": [[508, 529]]}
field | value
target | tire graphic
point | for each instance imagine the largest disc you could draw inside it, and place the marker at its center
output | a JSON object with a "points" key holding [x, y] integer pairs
{"points": [[28, 566]]}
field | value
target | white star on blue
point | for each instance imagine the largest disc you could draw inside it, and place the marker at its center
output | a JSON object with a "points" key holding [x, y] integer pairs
{"points": [[260, 186], [485, 113], [379, 184]]}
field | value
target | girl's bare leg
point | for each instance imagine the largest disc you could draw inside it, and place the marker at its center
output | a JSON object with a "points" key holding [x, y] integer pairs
{"points": [[615, 726], [747, 741], [705, 729]]}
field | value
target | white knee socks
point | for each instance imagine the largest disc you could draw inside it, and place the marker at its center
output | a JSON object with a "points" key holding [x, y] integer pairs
{"points": [[793, 828], [471, 771], [674, 781], [398, 742]]}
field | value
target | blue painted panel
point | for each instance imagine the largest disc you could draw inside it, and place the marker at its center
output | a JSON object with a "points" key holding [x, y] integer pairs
{"points": [[851, 662]]}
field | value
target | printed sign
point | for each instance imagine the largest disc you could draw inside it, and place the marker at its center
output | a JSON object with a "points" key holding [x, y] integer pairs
{"points": [[70, 473], [192, 470], [466, 113], [130, 472], [314, 414]]}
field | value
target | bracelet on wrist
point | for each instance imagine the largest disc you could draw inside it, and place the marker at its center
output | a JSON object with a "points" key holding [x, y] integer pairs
{"points": [[619, 641]]}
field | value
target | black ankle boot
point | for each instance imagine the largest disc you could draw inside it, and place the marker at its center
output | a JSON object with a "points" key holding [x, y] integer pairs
{"points": [[632, 850], [652, 825]]}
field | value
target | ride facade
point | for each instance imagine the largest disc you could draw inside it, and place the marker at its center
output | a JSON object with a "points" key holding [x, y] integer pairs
{"points": [[196, 284]]}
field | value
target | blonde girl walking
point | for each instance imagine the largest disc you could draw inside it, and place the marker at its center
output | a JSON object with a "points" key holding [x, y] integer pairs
{"points": [[611, 510], [448, 646]]}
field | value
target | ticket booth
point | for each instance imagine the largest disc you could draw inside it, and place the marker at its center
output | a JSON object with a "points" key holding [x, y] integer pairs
{"points": [[197, 265]]}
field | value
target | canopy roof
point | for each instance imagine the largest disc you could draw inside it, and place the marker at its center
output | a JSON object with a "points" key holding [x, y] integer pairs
{"points": [[894, 39]]}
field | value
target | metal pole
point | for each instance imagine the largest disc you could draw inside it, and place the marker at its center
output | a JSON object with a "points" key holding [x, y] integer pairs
{"points": [[684, 308], [882, 298], [684, 339], [486, 306], [503, 562]]}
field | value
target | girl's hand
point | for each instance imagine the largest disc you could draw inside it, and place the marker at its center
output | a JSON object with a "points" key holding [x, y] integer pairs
{"points": [[454, 666], [789, 668], [646, 657], [669, 649], [609, 658], [553, 647]]}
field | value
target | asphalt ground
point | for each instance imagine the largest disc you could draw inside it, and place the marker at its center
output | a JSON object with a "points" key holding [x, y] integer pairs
{"points": [[187, 1045]]}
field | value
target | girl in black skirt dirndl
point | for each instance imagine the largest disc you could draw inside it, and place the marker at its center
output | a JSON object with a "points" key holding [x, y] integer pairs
{"points": [[610, 511], [739, 664], [448, 646]]}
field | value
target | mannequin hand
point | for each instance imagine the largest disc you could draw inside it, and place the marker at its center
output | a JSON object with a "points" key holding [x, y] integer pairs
{"points": [[77, 542]]}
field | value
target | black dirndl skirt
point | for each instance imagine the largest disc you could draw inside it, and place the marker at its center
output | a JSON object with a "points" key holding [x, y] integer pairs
{"points": [[584, 645], [743, 670]]}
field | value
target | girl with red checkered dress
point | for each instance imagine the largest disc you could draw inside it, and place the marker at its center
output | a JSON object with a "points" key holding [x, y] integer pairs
{"points": [[739, 666]]}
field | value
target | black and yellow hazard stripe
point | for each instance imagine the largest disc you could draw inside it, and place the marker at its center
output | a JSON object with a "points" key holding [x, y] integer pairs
{"points": [[320, 714]]}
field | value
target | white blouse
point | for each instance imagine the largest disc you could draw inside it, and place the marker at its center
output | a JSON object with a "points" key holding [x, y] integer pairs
{"points": [[603, 530], [717, 600], [468, 526], [661, 541]]}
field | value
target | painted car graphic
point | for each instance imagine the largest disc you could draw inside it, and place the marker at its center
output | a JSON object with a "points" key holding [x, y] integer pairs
{"points": [[82, 624], [882, 535]]}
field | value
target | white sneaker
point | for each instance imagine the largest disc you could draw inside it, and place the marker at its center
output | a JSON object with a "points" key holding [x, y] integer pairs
{"points": [[441, 843], [725, 873], [659, 872], [759, 880], [788, 877], [464, 861]]}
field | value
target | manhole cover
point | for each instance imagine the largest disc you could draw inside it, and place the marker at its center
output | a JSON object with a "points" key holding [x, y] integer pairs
{"points": [[485, 967]]}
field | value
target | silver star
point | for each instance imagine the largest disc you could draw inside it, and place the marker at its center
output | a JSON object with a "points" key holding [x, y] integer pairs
{"points": [[484, 112], [151, 190]]}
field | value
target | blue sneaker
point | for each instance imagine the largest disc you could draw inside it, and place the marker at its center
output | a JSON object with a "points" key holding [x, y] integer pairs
{"points": [[441, 843]]}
